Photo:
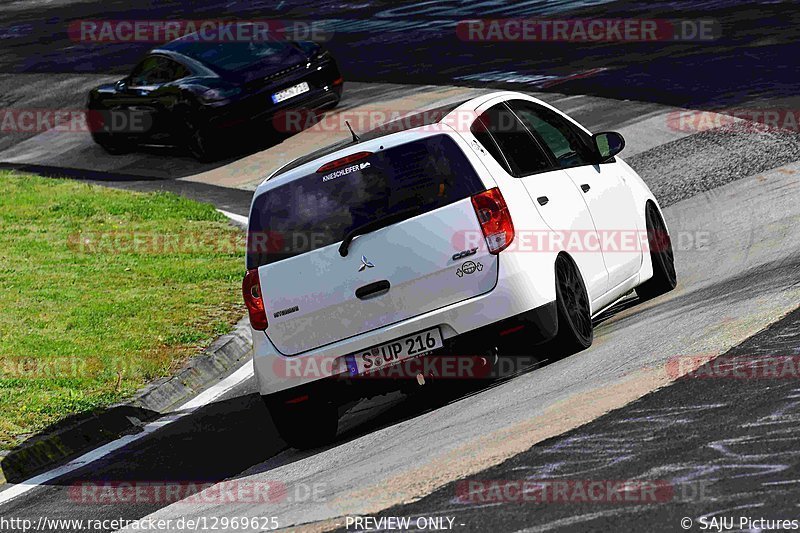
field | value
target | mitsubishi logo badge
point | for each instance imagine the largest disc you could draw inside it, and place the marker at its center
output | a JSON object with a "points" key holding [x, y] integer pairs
{"points": [[365, 263]]}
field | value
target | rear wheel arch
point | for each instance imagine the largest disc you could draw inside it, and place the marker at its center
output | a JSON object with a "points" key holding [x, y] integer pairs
{"points": [[650, 203], [566, 255], [577, 268]]}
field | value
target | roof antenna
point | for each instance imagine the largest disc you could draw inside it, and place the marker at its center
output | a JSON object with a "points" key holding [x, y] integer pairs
{"points": [[356, 138]]}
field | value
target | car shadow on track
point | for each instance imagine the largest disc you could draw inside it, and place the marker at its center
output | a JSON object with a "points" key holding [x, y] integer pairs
{"points": [[235, 437], [213, 443], [235, 144], [198, 448]]}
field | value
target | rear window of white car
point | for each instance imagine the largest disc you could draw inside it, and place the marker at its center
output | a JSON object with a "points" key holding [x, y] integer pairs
{"points": [[318, 209]]}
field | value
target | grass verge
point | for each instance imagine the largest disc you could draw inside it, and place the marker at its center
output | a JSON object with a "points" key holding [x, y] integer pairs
{"points": [[102, 291]]}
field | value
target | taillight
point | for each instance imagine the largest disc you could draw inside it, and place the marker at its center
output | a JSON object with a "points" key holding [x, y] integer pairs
{"points": [[251, 290], [495, 220], [346, 160]]}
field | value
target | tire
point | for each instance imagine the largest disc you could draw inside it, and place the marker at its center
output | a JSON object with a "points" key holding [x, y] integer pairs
{"points": [[575, 332], [201, 145], [664, 276], [304, 426]]}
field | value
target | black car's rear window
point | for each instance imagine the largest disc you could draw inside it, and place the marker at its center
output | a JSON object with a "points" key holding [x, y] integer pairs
{"points": [[319, 209], [235, 56]]}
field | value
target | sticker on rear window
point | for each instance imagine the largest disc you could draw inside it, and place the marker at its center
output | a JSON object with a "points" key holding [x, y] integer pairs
{"points": [[347, 170]]}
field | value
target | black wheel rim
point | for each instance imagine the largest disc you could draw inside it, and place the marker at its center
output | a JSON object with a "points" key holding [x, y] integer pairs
{"points": [[661, 246], [574, 298], [197, 143]]}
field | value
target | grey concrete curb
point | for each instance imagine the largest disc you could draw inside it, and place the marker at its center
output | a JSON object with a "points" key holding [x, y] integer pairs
{"points": [[225, 354]]}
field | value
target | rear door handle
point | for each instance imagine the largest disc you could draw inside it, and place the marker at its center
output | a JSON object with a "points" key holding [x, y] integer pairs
{"points": [[542, 200], [373, 290], [585, 187]]}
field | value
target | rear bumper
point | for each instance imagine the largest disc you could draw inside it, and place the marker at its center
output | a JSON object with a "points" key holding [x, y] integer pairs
{"points": [[497, 318], [250, 113], [325, 90], [540, 325], [534, 327]]}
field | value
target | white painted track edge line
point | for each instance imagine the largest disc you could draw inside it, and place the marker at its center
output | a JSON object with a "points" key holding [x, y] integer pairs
{"points": [[238, 219]]}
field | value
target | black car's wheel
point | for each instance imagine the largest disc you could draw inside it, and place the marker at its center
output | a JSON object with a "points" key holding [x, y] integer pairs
{"points": [[664, 276], [575, 331], [201, 144], [305, 425], [110, 144], [202, 141]]}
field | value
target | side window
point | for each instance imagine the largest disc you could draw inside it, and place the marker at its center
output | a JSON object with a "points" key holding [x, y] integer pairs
{"points": [[178, 71], [154, 70], [509, 142], [481, 132], [569, 145]]}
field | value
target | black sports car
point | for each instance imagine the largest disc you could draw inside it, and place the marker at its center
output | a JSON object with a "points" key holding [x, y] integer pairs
{"points": [[191, 92]]}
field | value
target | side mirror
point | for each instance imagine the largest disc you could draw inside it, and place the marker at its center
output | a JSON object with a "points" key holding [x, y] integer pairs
{"points": [[121, 85], [608, 144]]}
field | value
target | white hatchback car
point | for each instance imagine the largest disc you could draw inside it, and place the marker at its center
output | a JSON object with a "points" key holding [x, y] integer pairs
{"points": [[496, 221]]}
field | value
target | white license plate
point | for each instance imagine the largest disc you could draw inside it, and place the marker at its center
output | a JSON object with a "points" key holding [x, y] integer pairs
{"points": [[285, 94], [393, 352]]}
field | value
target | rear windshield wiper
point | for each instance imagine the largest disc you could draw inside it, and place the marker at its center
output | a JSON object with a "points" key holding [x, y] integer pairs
{"points": [[376, 224]]}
